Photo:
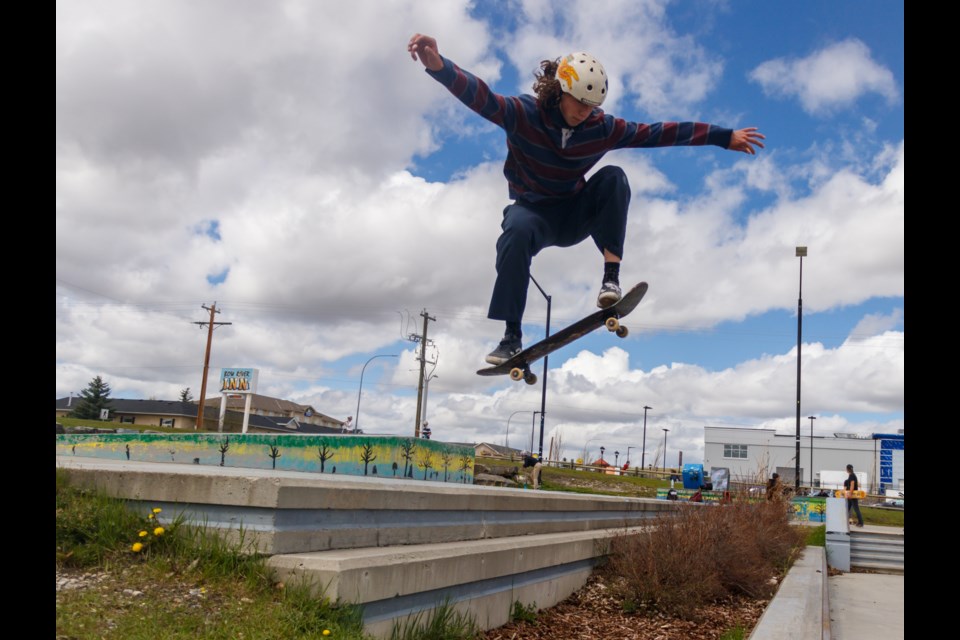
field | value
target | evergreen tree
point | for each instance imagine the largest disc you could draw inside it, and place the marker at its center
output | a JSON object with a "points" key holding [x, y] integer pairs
{"points": [[185, 395], [92, 399]]}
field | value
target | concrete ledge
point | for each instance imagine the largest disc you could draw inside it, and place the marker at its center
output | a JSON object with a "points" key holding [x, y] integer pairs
{"points": [[485, 577], [287, 512], [800, 609]]}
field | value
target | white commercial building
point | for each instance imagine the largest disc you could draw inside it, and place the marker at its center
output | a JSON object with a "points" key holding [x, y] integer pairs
{"points": [[752, 455]]}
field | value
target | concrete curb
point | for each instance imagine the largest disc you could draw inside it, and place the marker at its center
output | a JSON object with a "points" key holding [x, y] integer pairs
{"points": [[800, 609]]}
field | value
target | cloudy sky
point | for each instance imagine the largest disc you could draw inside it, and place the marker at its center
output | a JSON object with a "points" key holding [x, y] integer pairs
{"points": [[290, 163]]}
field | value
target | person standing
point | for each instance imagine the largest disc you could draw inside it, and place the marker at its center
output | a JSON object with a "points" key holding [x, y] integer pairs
{"points": [[774, 488], [532, 462], [852, 484]]}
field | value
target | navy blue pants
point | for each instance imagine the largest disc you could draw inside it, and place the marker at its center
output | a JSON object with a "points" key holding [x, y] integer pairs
{"points": [[598, 211]]}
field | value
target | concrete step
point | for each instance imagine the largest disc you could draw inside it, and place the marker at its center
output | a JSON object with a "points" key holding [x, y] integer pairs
{"points": [[484, 577], [288, 512]]}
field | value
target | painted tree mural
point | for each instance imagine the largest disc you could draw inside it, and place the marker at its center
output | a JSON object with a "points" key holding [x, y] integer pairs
{"points": [[464, 465], [367, 456], [408, 449], [275, 453], [324, 453], [223, 448], [425, 463], [445, 459]]}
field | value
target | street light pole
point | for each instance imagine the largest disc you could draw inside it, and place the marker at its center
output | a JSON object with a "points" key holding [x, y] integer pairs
{"points": [[543, 395], [643, 454], [356, 425], [628, 456], [506, 438], [812, 418], [665, 449], [533, 428], [801, 252]]}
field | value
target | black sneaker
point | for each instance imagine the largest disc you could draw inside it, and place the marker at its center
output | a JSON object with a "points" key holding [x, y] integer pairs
{"points": [[508, 347], [609, 295]]}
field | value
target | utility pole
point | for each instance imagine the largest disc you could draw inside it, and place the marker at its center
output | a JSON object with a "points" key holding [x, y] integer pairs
{"points": [[423, 364], [206, 359]]}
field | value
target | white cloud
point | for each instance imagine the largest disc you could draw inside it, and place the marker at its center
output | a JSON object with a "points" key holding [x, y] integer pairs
{"points": [[664, 73], [833, 77], [291, 128]]}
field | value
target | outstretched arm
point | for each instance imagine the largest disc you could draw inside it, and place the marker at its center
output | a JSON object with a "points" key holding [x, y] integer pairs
{"points": [[426, 48], [745, 140]]}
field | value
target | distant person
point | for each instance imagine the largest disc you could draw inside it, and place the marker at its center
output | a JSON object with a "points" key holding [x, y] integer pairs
{"points": [[852, 484], [698, 496], [774, 487], [532, 462]]}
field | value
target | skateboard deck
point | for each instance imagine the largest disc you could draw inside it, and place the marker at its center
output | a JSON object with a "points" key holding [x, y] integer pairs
{"points": [[518, 367]]}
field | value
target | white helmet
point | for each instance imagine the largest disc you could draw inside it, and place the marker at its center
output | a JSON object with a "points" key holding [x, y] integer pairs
{"points": [[583, 77]]}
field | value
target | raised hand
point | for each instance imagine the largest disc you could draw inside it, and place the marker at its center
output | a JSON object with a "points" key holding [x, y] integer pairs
{"points": [[745, 140], [426, 49]]}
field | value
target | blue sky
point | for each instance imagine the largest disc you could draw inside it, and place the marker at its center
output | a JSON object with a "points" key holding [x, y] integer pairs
{"points": [[323, 190]]}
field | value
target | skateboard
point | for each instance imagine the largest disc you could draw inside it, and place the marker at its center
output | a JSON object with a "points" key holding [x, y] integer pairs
{"points": [[518, 367], [860, 494]]}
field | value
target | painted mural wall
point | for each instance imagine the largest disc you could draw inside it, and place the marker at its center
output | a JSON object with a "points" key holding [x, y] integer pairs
{"points": [[357, 455], [805, 509]]}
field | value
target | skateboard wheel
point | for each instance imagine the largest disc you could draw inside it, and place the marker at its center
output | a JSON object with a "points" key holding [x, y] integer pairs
{"points": [[530, 379], [622, 332], [612, 324], [516, 374]]}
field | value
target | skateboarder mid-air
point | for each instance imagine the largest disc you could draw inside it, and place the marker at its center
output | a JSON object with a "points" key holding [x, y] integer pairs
{"points": [[553, 139]]}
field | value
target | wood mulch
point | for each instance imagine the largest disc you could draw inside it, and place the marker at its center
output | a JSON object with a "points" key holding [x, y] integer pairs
{"points": [[593, 613]]}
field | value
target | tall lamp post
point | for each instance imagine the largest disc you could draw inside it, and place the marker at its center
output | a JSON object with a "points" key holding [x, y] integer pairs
{"points": [[801, 252], [628, 456], [356, 425], [643, 454], [812, 418], [602, 449], [665, 449], [543, 395], [506, 438], [533, 430]]}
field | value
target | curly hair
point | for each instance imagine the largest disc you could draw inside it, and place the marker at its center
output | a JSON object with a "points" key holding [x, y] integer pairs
{"points": [[547, 87]]}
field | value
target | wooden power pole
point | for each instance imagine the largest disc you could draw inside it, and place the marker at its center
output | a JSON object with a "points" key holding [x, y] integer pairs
{"points": [[206, 360]]}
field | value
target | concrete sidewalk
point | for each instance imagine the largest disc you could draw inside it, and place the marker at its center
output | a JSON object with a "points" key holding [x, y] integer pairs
{"points": [[866, 606]]}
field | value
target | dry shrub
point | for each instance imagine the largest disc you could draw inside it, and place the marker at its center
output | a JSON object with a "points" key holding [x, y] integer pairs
{"points": [[703, 553]]}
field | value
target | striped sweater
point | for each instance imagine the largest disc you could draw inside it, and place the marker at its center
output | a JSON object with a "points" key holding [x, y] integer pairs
{"points": [[546, 158]]}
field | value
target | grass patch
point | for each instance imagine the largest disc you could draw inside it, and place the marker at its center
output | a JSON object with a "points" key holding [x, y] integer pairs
{"points": [[442, 623], [882, 517], [187, 582], [816, 536]]}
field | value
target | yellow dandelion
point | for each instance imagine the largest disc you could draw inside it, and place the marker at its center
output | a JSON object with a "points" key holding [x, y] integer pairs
{"points": [[326, 632], [143, 534], [158, 531], [157, 510], [150, 516], [137, 547]]}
